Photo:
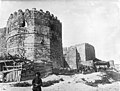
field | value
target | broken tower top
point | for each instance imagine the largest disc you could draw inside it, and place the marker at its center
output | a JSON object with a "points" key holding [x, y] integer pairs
{"points": [[31, 17]]}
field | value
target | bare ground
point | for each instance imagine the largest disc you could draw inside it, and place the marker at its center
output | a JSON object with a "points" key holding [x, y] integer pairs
{"points": [[73, 83]]}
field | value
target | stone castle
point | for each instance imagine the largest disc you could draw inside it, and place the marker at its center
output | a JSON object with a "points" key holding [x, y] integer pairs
{"points": [[33, 34], [37, 36]]}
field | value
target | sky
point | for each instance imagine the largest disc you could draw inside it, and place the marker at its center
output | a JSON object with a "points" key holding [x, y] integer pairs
{"points": [[96, 22]]}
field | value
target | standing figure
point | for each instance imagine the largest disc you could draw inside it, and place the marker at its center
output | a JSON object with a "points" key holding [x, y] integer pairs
{"points": [[37, 82]]}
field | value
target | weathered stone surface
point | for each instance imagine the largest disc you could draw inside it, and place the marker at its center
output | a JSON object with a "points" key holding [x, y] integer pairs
{"points": [[71, 57], [56, 44], [111, 62], [42, 43], [2, 41], [79, 54], [87, 63], [86, 51], [16, 20]]}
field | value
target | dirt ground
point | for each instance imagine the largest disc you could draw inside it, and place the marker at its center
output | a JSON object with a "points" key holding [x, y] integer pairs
{"points": [[70, 83]]}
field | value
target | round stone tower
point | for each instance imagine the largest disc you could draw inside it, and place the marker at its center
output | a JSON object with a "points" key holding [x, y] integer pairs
{"points": [[36, 35]]}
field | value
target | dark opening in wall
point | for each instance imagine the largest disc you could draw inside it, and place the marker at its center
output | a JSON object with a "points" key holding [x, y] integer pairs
{"points": [[42, 42], [23, 24]]}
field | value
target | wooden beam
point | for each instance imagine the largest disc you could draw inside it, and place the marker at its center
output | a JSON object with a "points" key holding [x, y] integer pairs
{"points": [[7, 71], [5, 65]]}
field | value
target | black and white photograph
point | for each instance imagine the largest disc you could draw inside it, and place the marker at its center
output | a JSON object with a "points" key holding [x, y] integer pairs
{"points": [[59, 45]]}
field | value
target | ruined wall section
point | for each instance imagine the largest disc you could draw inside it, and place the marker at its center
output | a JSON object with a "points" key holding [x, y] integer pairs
{"points": [[13, 36], [86, 51], [79, 54], [71, 57], [81, 51], [20, 39], [16, 20]]}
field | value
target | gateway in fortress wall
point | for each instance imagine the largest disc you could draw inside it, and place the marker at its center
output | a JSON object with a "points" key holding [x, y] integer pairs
{"points": [[33, 34]]}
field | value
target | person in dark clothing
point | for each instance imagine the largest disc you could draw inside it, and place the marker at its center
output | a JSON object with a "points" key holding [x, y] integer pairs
{"points": [[37, 82]]}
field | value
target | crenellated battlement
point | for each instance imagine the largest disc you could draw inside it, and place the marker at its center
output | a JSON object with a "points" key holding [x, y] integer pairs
{"points": [[31, 17], [16, 19]]}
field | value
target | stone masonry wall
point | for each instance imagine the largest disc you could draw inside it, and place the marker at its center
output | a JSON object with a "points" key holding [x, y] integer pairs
{"points": [[81, 51], [86, 51], [89, 52], [56, 44], [2, 41], [72, 57], [20, 42], [77, 54], [42, 44]]}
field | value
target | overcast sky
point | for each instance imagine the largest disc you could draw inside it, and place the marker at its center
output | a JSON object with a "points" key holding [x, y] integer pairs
{"points": [[96, 22]]}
